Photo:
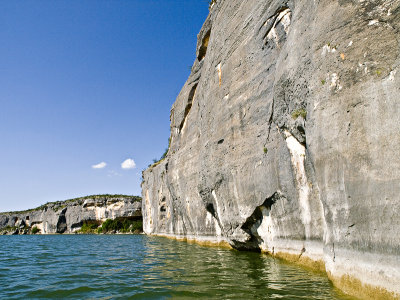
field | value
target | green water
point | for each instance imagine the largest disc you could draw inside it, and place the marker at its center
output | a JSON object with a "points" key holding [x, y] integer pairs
{"points": [[142, 267]]}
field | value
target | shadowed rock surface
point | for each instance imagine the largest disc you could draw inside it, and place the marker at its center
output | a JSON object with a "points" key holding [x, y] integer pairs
{"points": [[69, 216], [286, 139]]}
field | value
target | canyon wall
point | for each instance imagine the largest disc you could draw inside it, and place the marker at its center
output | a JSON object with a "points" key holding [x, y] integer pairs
{"points": [[286, 139], [69, 216]]}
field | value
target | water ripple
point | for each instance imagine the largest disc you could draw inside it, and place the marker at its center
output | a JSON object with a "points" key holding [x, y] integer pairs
{"points": [[141, 267]]}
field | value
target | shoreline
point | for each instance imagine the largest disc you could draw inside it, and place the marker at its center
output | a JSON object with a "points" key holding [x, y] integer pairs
{"points": [[73, 233], [348, 284]]}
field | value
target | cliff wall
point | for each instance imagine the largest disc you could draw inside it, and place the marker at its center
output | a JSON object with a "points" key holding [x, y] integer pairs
{"points": [[286, 139], [69, 216]]}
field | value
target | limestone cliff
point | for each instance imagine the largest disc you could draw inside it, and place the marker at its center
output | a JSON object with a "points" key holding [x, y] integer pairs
{"points": [[286, 139], [69, 216]]}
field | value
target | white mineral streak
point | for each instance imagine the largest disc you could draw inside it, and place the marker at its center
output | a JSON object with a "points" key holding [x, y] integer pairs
{"points": [[327, 49], [147, 224], [219, 74], [298, 155], [373, 22], [266, 231], [284, 18], [392, 74], [335, 82], [217, 227]]}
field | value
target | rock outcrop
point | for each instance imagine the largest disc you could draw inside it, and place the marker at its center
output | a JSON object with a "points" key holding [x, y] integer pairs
{"points": [[286, 139], [69, 216]]}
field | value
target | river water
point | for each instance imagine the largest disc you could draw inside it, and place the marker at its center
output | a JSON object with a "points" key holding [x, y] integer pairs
{"points": [[142, 267]]}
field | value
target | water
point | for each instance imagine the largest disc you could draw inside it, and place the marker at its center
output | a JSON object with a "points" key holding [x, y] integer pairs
{"points": [[142, 267]]}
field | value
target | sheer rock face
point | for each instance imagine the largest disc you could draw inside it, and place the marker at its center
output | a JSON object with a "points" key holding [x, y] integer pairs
{"points": [[69, 216], [286, 138]]}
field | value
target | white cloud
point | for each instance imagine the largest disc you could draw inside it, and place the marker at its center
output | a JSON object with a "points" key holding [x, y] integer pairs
{"points": [[128, 164], [101, 165]]}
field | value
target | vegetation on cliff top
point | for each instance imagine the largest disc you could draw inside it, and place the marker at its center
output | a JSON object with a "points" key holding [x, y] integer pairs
{"points": [[62, 204], [158, 161]]}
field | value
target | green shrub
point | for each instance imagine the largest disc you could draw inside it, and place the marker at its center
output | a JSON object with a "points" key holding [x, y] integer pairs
{"points": [[89, 226], [8, 228], [166, 150], [137, 226], [109, 225], [265, 150], [121, 225], [157, 161], [299, 113], [35, 230]]}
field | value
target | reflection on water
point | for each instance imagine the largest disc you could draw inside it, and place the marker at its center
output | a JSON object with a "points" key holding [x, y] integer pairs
{"points": [[211, 272], [141, 267]]}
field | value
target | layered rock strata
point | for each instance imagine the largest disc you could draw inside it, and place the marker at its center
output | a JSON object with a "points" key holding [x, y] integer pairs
{"points": [[286, 139], [69, 216]]}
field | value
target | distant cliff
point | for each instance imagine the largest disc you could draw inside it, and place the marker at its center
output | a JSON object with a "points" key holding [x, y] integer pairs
{"points": [[286, 139], [71, 215]]}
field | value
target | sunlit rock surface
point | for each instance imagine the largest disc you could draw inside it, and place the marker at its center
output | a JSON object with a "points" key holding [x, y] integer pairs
{"points": [[286, 139], [69, 216]]}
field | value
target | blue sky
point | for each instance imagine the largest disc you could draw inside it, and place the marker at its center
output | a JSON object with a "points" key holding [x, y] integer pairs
{"points": [[86, 82]]}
